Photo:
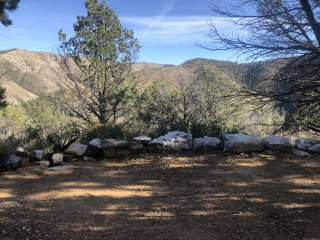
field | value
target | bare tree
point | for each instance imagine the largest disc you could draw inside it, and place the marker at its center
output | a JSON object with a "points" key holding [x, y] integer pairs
{"points": [[286, 30]]}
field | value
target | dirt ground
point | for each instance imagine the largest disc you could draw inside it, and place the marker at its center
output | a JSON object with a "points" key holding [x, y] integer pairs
{"points": [[169, 197]]}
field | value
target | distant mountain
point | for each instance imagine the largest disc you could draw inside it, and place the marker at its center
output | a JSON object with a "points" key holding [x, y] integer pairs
{"points": [[27, 75]]}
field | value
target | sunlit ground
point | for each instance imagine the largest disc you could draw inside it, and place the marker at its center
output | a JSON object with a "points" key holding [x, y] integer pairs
{"points": [[165, 197]]}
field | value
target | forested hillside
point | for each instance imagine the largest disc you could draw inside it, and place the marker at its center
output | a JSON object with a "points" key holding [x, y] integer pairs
{"points": [[27, 75]]}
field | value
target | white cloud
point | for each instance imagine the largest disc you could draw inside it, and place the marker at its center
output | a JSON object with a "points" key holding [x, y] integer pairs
{"points": [[175, 30]]}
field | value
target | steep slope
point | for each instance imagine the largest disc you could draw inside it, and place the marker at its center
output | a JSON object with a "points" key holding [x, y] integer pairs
{"points": [[27, 74], [35, 73]]}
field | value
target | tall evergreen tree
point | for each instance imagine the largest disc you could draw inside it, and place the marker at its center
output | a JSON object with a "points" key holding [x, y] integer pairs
{"points": [[98, 62]]}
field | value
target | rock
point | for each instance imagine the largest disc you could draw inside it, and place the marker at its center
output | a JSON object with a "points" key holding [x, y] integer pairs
{"points": [[240, 143], [88, 159], [206, 144], [57, 160], [44, 164], [119, 148], [14, 162], [173, 141], [315, 149], [61, 168], [300, 153], [21, 152], [67, 158], [276, 143], [36, 156], [136, 148], [303, 144], [95, 148], [76, 149], [144, 140]]}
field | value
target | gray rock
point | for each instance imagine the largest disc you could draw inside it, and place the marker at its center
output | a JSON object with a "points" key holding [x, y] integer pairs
{"points": [[173, 141], [14, 161], [240, 143], [36, 156], [97, 142], [144, 140], [61, 168], [57, 160], [301, 153], [315, 149], [21, 152], [206, 144], [77, 149], [95, 148], [119, 148], [44, 164], [277, 143], [303, 144]]}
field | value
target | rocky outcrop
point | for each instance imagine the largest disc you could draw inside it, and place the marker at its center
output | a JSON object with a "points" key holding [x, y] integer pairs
{"points": [[173, 141], [77, 150], [240, 143], [206, 144], [278, 144]]}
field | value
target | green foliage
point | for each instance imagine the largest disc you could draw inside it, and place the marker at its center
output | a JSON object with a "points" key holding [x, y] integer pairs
{"points": [[3, 101], [48, 126], [104, 131], [200, 104], [98, 63], [195, 106], [41, 124]]}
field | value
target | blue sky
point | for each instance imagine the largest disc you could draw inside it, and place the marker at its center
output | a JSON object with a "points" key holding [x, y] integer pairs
{"points": [[169, 30]]}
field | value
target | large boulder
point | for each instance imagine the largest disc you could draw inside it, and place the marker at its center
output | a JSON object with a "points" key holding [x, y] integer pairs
{"points": [[277, 143], [144, 140], [206, 144], [173, 141], [20, 158], [303, 144], [240, 143], [21, 152], [77, 149], [315, 149], [301, 153], [57, 160], [95, 148], [36, 156], [14, 162], [120, 148]]}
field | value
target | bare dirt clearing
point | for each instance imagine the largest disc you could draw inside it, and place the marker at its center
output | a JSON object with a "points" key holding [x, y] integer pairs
{"points": [[199, 197]]}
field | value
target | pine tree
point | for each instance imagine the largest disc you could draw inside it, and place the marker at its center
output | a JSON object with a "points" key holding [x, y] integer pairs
{"points": [[98, 62]]}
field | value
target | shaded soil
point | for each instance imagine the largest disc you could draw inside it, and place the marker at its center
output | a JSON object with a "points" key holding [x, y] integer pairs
{"points": [[169, 197]]}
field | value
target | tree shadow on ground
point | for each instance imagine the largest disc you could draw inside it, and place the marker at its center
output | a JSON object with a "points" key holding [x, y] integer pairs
{"points": [[165, 197]]}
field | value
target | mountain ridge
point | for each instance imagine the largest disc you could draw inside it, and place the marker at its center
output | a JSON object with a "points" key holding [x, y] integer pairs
{"points": [[28, 74]]}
